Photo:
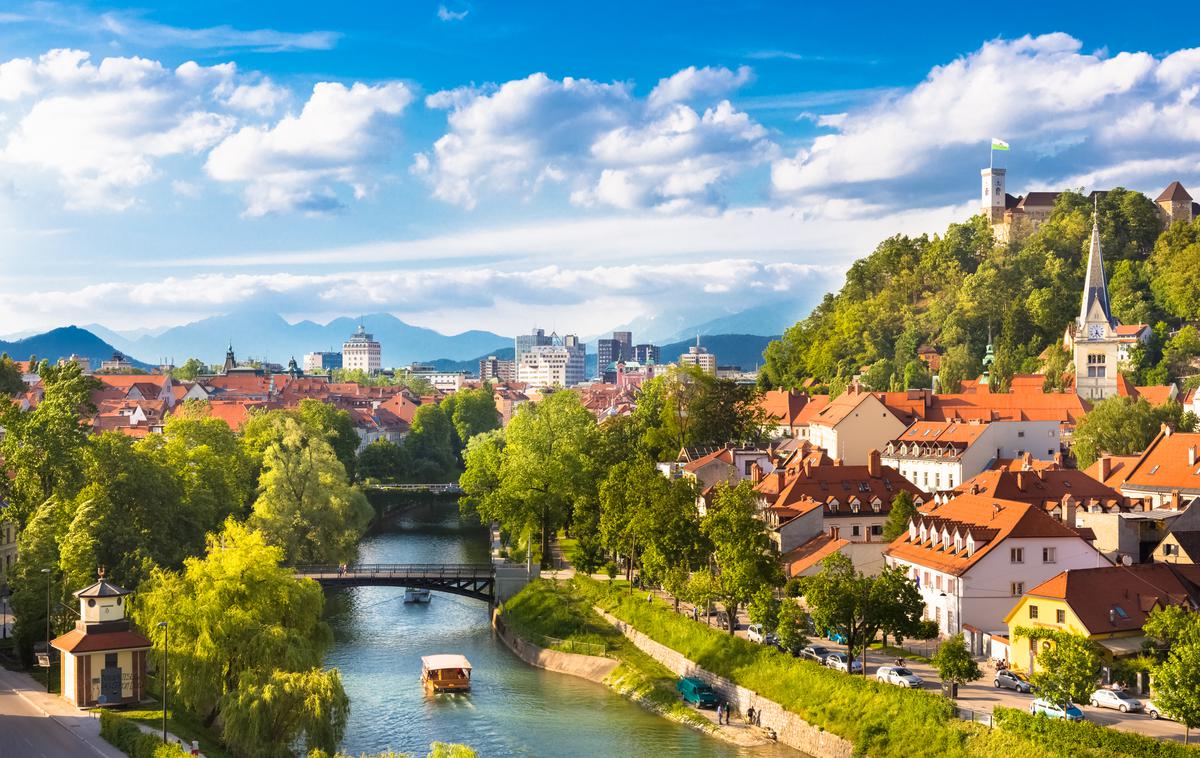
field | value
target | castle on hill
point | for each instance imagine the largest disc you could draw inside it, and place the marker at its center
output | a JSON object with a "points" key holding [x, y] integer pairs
{"points": [[1012, 216]]}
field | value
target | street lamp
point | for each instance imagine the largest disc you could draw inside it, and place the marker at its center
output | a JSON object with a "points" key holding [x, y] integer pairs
{"points": [[166, 669], [47, 573]]}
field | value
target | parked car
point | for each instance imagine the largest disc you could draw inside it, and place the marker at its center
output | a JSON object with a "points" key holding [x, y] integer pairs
{"points": [[755, 633], [835, 636], [1055, 710], [695, 691], [1153, 710], [816, 653], [1120, 701], [842, 662], [1011, 680], [898, 675]]}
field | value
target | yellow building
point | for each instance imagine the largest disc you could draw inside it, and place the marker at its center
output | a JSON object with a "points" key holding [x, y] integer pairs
{"points": [[1108, 605]]}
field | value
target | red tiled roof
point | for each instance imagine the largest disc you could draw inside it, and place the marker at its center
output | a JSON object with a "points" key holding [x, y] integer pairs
{"points": [[1165, 464], [1119, 598], [804, 557], [783, 406], [827, 482], [1174, 193], [1118, 468], [1041, 486], [77, 642]]}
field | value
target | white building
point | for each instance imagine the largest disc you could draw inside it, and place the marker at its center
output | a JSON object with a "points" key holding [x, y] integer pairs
{"points": [[852, 425], [973, 557], [361, 352], [699, 356], [446, 381], [940, 455], [546, 366], [321, 362]]}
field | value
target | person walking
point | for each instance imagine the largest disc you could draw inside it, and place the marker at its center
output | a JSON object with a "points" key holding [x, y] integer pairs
{"points": [[750, 716], [719, 713]]}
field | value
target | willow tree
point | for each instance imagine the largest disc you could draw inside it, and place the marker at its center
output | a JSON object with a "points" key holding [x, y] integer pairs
{"points": [[246, 645]]}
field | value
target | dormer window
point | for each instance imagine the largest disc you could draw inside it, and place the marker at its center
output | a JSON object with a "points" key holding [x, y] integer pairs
{"points": [[957, 543], [912, 531], [876, 505]]}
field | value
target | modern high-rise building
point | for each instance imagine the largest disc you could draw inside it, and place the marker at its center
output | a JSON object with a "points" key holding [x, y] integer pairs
{"points": [[524, 342], [561, 363], [626, 341], [361, 352], [646, 354], [493, 369], [699, 356], [319, 363], [577, 366], [608, 352]]}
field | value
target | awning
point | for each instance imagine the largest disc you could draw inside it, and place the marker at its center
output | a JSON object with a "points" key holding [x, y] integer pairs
{"points": [[1124, 645]]}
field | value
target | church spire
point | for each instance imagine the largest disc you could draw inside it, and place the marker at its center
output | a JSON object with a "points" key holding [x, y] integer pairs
{"points": [[1095, 288]]}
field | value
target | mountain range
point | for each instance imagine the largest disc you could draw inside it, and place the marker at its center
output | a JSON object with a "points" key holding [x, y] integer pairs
{"points": [[62, 342]]}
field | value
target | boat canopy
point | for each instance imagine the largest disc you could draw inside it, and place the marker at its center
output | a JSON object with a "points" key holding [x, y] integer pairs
{"points": [[445, 661]]}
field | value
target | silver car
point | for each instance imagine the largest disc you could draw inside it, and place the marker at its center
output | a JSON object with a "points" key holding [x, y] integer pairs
{"points": [[842, 662], [899, 676], [1118, 701]]}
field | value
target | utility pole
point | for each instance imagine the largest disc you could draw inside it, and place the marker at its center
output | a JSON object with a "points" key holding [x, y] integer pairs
{"points": [[166, 671]]}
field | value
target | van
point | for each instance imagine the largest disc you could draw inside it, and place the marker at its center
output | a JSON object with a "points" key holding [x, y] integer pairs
{"points": [[698, 693]]}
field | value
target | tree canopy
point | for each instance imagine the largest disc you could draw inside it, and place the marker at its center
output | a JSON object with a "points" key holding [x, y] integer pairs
{"points": [[1123, 426]]}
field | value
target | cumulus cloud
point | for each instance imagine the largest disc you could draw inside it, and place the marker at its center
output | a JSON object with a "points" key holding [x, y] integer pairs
{"points": [[605, 144], [1067, 113], [101, 128], [301, 162]]}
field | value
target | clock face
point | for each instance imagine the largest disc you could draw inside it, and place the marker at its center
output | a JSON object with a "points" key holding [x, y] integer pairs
{"points": [[1096, 332]]}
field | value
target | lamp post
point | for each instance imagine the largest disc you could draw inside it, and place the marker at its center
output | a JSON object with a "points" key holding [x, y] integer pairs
{"points": [[47, 573], [166, 670]]}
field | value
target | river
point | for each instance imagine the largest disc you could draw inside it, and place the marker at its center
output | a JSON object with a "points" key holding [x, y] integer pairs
{"points": [[513, 709]]}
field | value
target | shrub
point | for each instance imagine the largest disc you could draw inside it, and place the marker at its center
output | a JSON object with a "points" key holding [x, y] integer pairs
{"points": [[1085, 738], [124, 735]]}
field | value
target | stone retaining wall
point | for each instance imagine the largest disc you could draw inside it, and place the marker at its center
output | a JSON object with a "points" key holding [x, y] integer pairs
{"points": [[590, 667], [790, 729]]}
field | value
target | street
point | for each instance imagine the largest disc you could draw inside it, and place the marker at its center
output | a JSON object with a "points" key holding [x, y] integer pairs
{"points": [[27, 733]]}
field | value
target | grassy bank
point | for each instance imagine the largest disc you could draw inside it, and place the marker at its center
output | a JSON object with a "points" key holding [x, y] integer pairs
{"points": [[880, 720], [181, 724], [545, 609]]}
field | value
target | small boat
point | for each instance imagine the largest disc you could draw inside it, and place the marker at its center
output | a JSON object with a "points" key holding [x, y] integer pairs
{"points": [[446, 673], [417, 595]]}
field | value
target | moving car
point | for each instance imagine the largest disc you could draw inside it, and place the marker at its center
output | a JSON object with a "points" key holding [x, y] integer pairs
{"points": [[1011, 680], [1120, 701], [1055, 710], [755, 633], [898, 675], [816, 653], [842, 662], [1155, 713], [696, 691]]}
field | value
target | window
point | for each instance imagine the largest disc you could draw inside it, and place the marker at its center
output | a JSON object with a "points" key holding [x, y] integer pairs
{"points": [[1018, 589], [1095, 366], [1016, 555], [1060, 616], [937, 480], [926, 477], [749, 465], [1048, 555], [876, 530], [1020, 434], [855, 530], [949, 585], [1033, 611], [937, 582], [1168, 550], [926, 578], [110, 660]]}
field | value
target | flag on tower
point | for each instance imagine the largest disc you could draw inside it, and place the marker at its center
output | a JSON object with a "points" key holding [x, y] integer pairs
{"points": [[999, 144]]}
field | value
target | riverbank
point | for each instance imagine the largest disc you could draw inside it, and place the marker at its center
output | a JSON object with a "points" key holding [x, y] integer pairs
{"points": [[553, 614]]}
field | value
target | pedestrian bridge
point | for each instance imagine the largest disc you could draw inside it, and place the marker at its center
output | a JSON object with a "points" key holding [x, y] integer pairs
{"points": [[477, 580]]}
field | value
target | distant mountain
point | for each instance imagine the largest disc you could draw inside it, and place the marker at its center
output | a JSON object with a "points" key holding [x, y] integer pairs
{"points": [[63, 343], [267, 336], [764, 319], [743, 350]]}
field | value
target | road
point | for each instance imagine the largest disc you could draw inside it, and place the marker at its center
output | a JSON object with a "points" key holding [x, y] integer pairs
{"points": [[29, 734]]}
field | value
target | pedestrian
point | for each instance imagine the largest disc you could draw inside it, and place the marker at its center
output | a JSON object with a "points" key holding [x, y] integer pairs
{"points": [[718, 713], [649, 596], [758, 717], [750, 716]]}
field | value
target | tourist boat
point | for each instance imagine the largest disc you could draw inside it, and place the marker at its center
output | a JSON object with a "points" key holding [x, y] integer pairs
{"points": [[445, 673], [417, 595]]}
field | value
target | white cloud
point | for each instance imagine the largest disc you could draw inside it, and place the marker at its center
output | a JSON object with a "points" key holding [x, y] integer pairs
{"points": [[300, 163], [101, 128], [149, 33], [1066, 113], [606, 145], [445, 14]]}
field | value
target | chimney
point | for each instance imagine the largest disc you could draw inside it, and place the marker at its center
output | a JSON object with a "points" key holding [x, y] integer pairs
{"points": [[1027, 460], [807, 468], [874, 465], [1069, 511], [1165, 429], [1174, 500], [1105, 467], [756, 473], [1021, 481], [837, 461], [1058, 459], [779, 480]]}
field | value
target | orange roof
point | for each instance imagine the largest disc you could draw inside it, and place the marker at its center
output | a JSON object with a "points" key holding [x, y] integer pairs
{"points": [[76, 641], [1025, 402], [988, 521], [799, 485], [840, 407], [720, 454], [1129, 330], [1119, 467], [954, 431], [804, 557], [1155, 395], [1119, 598], [1171, 462], [783, 406], [815, 404], [1042, 485], [232, 412]]}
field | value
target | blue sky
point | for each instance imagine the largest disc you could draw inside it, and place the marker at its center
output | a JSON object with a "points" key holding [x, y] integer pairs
{"points": [[496, 165]]}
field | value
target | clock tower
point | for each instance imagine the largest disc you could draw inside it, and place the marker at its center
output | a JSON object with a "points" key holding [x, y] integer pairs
{"points": [[1095, 343]]}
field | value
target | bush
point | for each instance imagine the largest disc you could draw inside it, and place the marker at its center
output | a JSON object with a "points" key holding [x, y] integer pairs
{"points": [[1085, 738], [124, 735]]}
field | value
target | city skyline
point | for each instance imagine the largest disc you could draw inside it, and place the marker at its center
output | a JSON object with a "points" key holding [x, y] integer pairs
{"points": [[168, 165]]}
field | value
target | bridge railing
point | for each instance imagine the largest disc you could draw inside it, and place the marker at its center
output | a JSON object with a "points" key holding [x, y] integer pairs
{"points": [[401, 570]]}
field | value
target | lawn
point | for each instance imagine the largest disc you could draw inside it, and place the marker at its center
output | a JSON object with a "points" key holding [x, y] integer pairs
{"points": [[181, 724]]}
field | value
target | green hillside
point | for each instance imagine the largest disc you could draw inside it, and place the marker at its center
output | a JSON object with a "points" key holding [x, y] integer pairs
{"points": [[953, 290]]}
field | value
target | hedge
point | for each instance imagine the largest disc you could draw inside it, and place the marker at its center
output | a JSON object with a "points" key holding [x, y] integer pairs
{"points": [[125, 735], [1072, 738]]}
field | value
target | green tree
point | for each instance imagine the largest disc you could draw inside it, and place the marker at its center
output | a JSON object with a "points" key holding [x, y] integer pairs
{"points": [[1067, 664], [191, 368], [1122, 426], [382, 460], [472, 411], [306, 506], [11, 377], [954, 663], [901, 513], [763, 608], [38, 548], [859, 606], [687, 407], [790, 628], [741, 548], [336, 426], [1177, 678], [237, 619], [431, 446]]}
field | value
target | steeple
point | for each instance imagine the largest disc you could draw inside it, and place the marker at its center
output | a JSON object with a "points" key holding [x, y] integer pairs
{"points": [[1095, 288], [230, 360]]}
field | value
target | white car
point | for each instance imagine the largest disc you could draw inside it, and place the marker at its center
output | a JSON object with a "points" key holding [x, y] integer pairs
{"points": [[1154, 712], [1118, 701], [899, 676], [842, 662], [755, 633]]}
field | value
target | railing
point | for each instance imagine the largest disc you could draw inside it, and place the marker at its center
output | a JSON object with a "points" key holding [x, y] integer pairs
{"points": [[401, 570], [974, 716], [441, 487], [575, 646]]}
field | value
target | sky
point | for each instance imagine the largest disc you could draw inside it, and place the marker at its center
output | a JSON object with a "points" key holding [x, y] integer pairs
{"points": [[567, 165]]}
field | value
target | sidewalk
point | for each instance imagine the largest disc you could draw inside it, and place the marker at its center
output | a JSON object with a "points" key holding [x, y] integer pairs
{"points": [[84, 725]]}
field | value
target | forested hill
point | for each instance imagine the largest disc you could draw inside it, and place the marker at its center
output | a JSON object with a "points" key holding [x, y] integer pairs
{"points": [[948, 291]]}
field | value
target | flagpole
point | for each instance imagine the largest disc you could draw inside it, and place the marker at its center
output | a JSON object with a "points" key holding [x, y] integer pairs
{"points": [[991, 155]]}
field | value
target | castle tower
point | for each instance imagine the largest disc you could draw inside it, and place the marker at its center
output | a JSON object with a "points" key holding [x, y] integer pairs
{"points": [[992, 199], [1095, 343], [1175, 204]]}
